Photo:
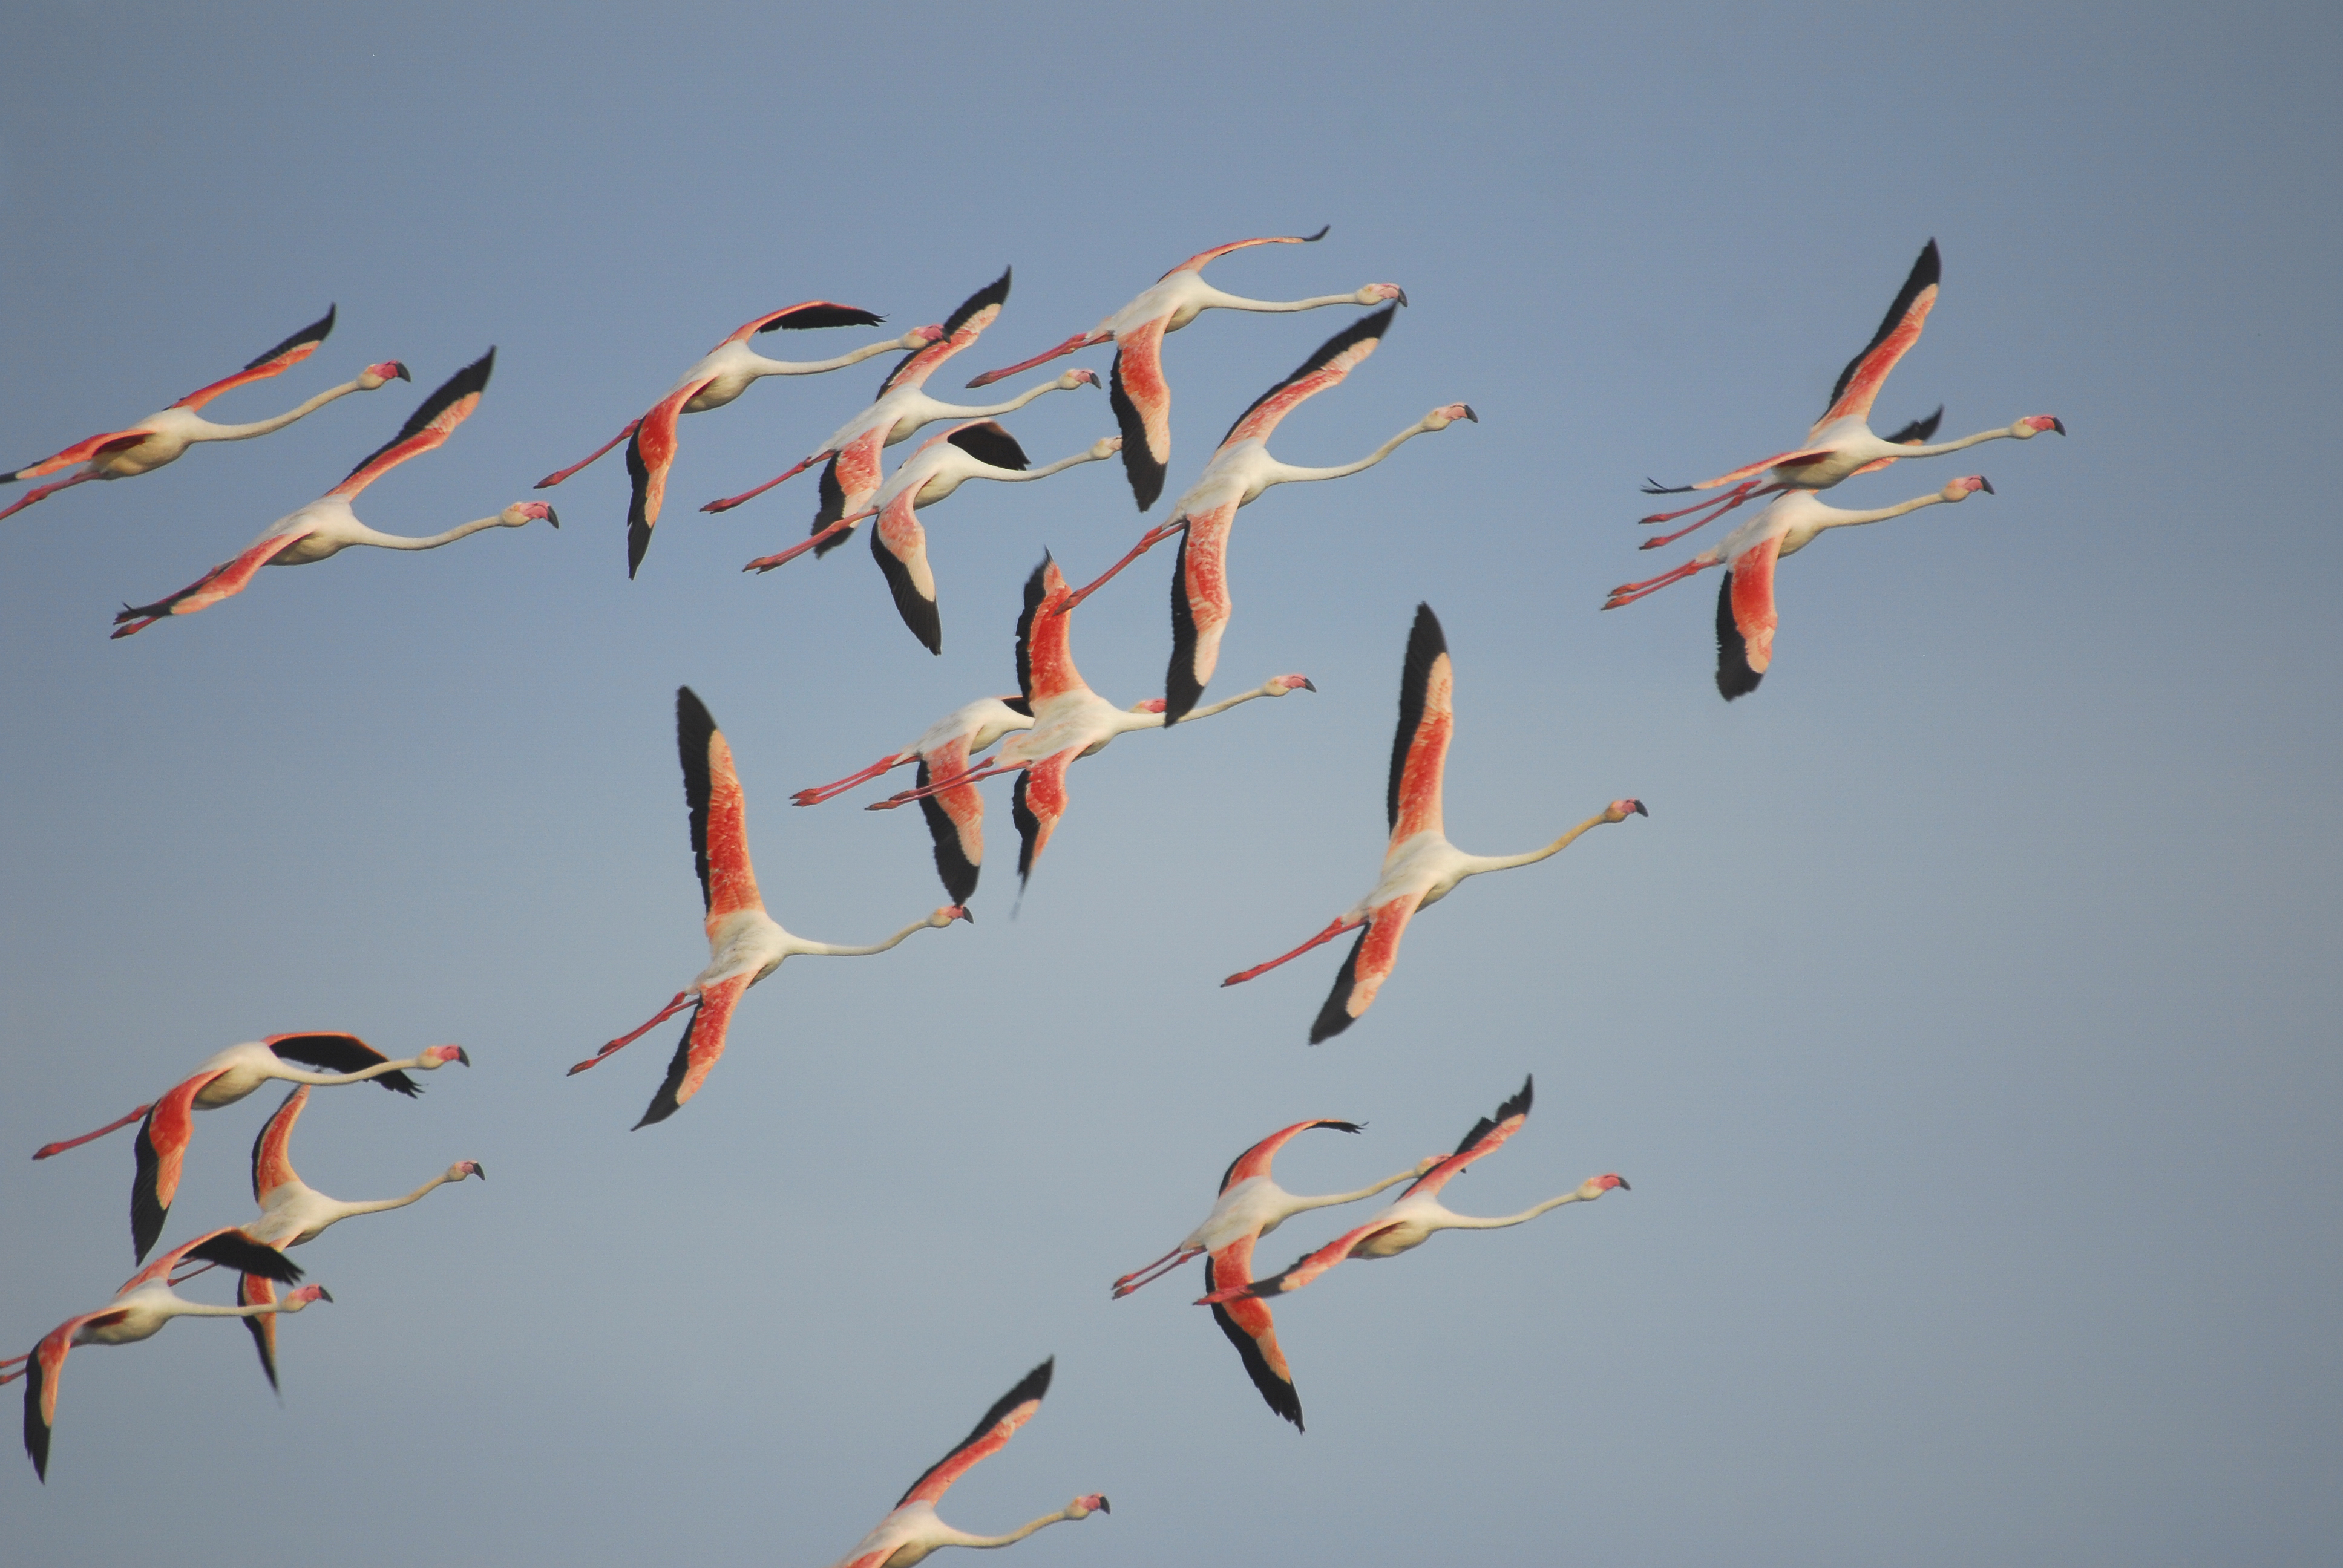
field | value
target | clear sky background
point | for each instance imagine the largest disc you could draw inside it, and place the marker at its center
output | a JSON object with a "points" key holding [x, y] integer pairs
{"points": [[1964, 1015]]}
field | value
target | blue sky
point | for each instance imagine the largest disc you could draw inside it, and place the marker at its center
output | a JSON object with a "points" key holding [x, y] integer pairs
{"points": [[1962, 1014]]}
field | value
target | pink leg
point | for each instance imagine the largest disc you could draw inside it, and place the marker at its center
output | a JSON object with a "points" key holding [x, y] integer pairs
{"points": [[752, 495], [1148, 541], [668, 1012], [45, 491], [1628, 593], [1333, 929], [191, 1274], [937, 787], [828, 792], [1079, 340], [1154, 1270], [767, 563], [1731, 499], [46, 1149], [550, 480]]}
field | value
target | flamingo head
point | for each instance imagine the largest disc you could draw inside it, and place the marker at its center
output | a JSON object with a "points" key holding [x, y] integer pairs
{"points": [[2033, 425], [1441, 418], [440, 1056], [304, 1295], [1073, 378], [1084, 1507], [1105, 447], [1155, 705], [374, 376], [950, 913], [522, 513], [1377, 293], [1620, 810], [463, 1168], [921, 337], [1961, 489], [1595, 1186], [1278, 686]]}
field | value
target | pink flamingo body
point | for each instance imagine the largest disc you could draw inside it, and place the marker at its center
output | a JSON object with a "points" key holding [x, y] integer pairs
{"points": [[1745, 617], [744, 944], [1421, 867], [1240, 471], [139, 1311], [1141, 397], [1250, 1205], [911, 1529], [1418, 1214], [1840, 444], [902, 410], [161, 438], [721, 375], [166, 1123], [978, 449], [1070, 722], [326, 525]]}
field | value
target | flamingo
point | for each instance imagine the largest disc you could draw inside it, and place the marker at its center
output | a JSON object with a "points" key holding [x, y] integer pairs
{"points": [[911, 1530], [1745, 618], [722, 374], [1069, 721], [1421, 867], [139, 1311], [1252, 1204], [1840, 444], [744, 943], [159, 438], [326, 525], [898, 413], [166, 1122], [293, 1213], [1141, 397], [1240, 470], [1411, 1220], [978, 449]]}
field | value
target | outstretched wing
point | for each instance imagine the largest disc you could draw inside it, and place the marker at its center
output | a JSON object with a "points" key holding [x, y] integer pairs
{"points": [[955, 822], [338, 1053], [1488, 1135], [1045, 656], [697, 1051], [274, 362], [1858, 385], [272, 1160], [989, 441], [899, 544], [1142, 408], [1427, 720], [811, 314], [1255, 1160], [1369, 963], [255, 1289], [1310, 1265], [719, 813], [963, 327], [222, 581], [427, 427], [162, 1146], [1037, 804], [1746, 620], [1196, 262], [1334, 360], [1200, 608], [1249, 1328], [42, 1369], [650, 453], [80, 451], [1010, 1411]]}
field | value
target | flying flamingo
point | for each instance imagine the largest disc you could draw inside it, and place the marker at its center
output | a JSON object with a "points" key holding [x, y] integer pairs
{"points": [[159, 438], [326, 525], [1417, 1213], [1421, 867], [1069, 721], [139, 1311], [1237, 475], [911, 1530], [1143, 398], [979, 449], [293, 1213], [900, 411], [744, 943], [1252, 1204], [166, 1122], [1840, 444], [722, 374], [1745, 618]]}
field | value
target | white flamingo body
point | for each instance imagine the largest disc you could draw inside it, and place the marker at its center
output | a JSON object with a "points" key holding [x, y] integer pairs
{"points": [[236, 1072]]}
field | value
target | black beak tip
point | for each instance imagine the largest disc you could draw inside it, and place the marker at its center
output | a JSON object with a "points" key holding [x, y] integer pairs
{"points": [[1104, 1506], [400, 366], [1986, 485], [1640, 812], [1469, 414], [1402, 296], [1308, 685], [463, 1056], [2059, 426], [553, 516], [1622, 1185], [323, 1294], [479, 1169]]}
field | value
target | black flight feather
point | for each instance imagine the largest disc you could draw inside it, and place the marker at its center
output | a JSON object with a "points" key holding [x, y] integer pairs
{"points": [[993, 293], [833, 507], [1734, 676], [1926, 271], [664, 1104], [1181, 689], [988, 442], [952, 865], [472, 378], [1425, 643], [1033, 1385], [1371, 326], [1279, 1394], [1919, 430], [1029, 829], [695, 728], [315, 332], [235, 1250], [36, 1431], [257, 1326], [1334, 1017], [1335, 1126], [917, 610], [342, 1053], [639, 525], [1138, 464], [148, 1210], [1034, 594], [812, 316]]}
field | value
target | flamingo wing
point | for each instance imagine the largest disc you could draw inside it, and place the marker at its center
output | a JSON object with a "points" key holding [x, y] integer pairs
{"points": [[1333, 360], [1201, 606], [1370, 962], [1858, 385], [253, 1291], [275, 362], [1427, 721], [272, 1159], [719, 813], [1255, 1160], [848, 481], [1487, 1136], [1142, 408], [1251, 1329], [989, 441], [1045, 658], [1751, 470], [79, 452], [428, 427], [699, 1049], [1310, 1265], [42, 1369], [812, 313], [1010, 1411], [162, 1145], [222, 581], [650, 454], [899, 544], [1195, 263], [338, 1052], [1036, 805], [955, 822], [1746, 620], [962, 327]]}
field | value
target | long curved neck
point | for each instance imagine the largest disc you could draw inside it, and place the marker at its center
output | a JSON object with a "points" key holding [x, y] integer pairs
{"points": [[1839, 519], [1903, 452], [1332, 1198], [1013, 476], [343, 1210], [183, 1308], [833, 950], [1479, 863], [1222, 705], [211, 432], [954, 411], [962, 1538], [764, 366], [1221, 301], [432, 541], [295, 1075], [1286, 473], [1473, 1222]]}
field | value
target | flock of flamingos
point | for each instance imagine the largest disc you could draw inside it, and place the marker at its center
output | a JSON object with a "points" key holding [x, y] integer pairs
{"points": [[1053, 720]]}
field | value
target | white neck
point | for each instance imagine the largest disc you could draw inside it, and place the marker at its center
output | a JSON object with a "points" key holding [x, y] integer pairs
{"points": [[343, 1210], [962, 1538], [1217, 300], [1284, 473], [1295, 1204], [760, 365], [431, 542], [1903, 452], [954, 411], [291, 1074], [833, 950], [1833, 518], [1477, 864], [211, 432], [1473, 1222], [1012, 475]]}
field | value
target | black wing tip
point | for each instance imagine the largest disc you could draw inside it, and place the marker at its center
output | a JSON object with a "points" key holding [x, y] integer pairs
{"points": [[1334, 1017], [36, 1431], [1735, 679], [664, 1103], [993, 293], [820, 316], [919, 613], [235, 1250], [1323, 230], [317, 331], [1181, 689], [989, 441], [1427, 641], [1138, 464], [953, 867], [1375, 324], [1518, 1103]]}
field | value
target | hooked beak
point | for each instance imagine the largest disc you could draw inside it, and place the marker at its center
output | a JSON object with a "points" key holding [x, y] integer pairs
{"points": [[323, 1294], [479, 1169], [1104, 1506], [1308, 684], [1985, 485], [1637, 807], [1622, 1185], [2059, 426], [463, 1056], [1402, 296], [552, 517], [1469, 414], [399, 365]]}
